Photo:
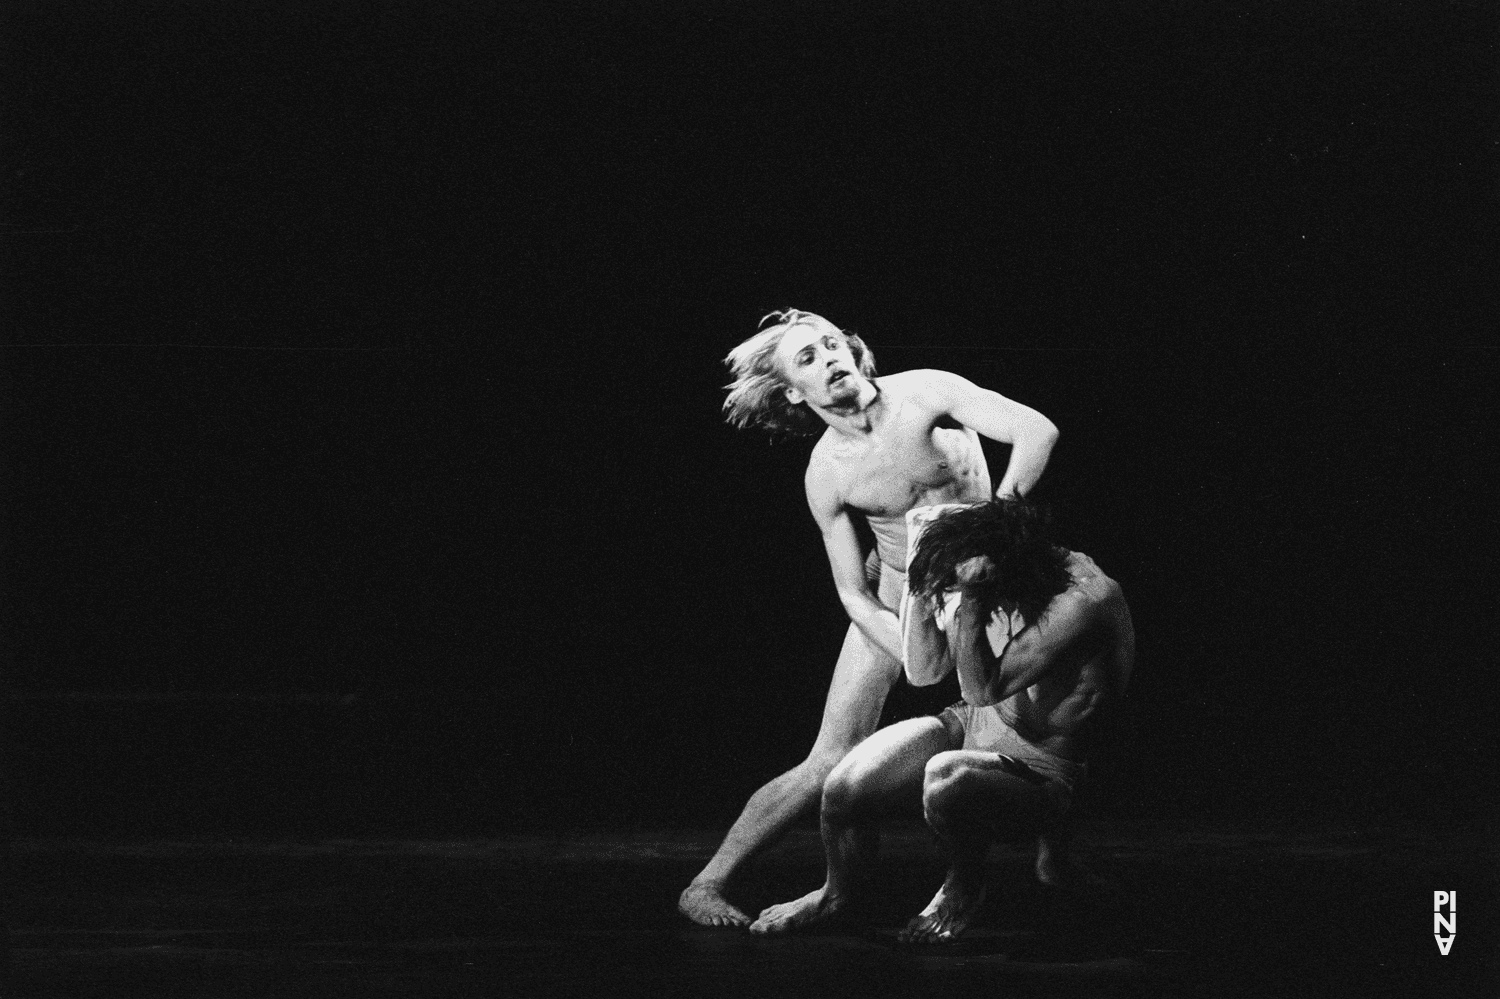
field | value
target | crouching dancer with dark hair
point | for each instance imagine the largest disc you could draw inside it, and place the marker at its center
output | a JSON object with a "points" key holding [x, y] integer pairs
{"points": [[1042, 641]]}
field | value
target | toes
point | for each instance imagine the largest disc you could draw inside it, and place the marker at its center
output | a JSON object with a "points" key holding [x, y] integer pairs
{"points": [[917, 931], [769, 926], [716, 916], [929, 931]]}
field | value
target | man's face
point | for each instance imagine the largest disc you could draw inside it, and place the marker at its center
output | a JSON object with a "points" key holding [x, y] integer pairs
{"points": [[818, 366]]}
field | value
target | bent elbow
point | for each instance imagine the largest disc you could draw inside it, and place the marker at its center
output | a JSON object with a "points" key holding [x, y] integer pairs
{"points": [[983, 690], [920, 677]]}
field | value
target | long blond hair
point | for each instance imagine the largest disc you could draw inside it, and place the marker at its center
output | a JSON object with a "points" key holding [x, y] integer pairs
{"points": [[757, 396]]}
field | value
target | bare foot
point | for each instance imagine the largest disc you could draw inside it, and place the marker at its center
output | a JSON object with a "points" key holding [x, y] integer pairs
{"points": [[703, 903], [948, 914], [814, 907]]}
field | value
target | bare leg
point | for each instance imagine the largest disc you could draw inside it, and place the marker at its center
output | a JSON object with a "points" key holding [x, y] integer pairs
{"points": [[884, 770], [969, 800], [861, 680]]}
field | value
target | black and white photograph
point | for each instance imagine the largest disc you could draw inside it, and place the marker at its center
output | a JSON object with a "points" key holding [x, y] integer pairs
{"points": [[748, 499]]}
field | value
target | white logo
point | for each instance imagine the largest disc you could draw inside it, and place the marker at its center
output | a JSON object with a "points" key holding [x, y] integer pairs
{"points": [[1442, 923]]}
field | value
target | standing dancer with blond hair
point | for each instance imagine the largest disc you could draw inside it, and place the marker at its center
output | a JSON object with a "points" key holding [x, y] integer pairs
{"points": [[888, 444]]}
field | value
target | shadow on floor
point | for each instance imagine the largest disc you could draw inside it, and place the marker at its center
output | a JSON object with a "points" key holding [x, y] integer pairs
{"points": [[1167, 912]]}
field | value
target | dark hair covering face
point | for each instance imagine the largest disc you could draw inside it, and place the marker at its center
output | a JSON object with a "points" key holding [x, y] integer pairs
{"points": [[1029, 569]]}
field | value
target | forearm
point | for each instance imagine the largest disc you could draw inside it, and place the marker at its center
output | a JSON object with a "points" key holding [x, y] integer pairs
{"points": [[977, 666], [986, 677], [924, 646], [1028, 458], [878, 623]]}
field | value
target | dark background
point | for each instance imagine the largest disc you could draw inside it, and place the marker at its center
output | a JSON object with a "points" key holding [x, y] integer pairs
{"points": [[363, 468]]}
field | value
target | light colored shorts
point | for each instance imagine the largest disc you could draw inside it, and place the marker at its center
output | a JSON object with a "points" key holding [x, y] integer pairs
{"points": [[986, 731], [888, 584]]}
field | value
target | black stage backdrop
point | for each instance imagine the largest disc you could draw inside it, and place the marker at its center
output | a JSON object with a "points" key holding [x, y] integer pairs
{"points": [[363, 465]]}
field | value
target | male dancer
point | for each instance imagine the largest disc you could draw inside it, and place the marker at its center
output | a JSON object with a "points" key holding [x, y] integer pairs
{"points": [[888, 444], [1042, 641]]}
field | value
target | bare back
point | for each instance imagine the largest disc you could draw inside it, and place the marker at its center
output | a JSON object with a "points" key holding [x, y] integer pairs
{"points": [[1090, 671], [916, 457]]}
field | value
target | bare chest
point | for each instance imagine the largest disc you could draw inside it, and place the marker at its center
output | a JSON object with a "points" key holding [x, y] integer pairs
{"points": [[934, 465]]}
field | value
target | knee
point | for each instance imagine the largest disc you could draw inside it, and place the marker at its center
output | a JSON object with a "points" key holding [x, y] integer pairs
{"points": [[842, 791], [944, 771], [815, 771], [945, 782]]}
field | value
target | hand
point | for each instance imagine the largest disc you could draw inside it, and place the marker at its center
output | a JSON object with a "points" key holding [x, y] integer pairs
{"points": [[936, 606], [922, 515], [979, 569]]}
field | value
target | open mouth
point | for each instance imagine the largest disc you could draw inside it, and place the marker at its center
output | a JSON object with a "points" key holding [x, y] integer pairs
{"points": [[837, 376]]}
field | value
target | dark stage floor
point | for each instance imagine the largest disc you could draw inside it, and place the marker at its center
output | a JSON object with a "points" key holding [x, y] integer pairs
{"points": [[1176, 910]]}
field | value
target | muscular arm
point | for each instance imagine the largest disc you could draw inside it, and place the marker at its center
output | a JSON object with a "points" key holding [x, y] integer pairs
{"points": [[985, 678], [1030, 435], [875, 621]]}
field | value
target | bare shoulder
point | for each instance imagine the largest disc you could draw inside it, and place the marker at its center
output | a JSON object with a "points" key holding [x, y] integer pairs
{"points": [[928, 391], [1090, 583], [930, 384], [1103, 601]]}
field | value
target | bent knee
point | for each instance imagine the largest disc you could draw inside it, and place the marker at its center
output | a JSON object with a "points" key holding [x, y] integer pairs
{"points": [[841, 790], [845, 789], [945, 768], [948, 778], [821, 764]]}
